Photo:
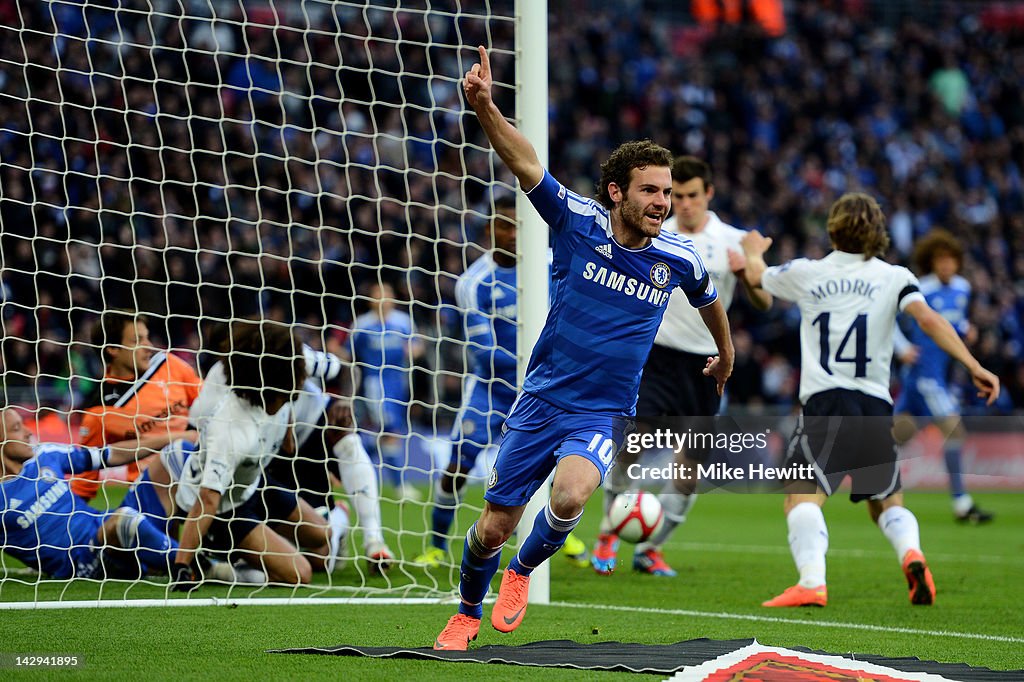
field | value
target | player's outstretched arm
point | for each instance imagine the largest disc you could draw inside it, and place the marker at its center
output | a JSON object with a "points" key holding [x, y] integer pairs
{"points": [[754, 246], [127, 451], [720, 366], [514, 149], [197, 523], [906, 351], [759, 298], [942, 333]]}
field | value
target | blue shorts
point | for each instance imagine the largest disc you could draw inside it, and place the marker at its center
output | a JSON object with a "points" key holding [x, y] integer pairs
{"points": [[538, 435], [926, 397], [272, 503]]}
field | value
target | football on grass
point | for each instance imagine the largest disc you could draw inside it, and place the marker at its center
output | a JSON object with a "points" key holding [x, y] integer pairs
{"points": [[635, 516]]}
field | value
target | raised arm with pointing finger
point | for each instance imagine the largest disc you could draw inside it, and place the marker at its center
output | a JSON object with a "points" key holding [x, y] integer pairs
{"points": [[612, 272], [514, 149]]}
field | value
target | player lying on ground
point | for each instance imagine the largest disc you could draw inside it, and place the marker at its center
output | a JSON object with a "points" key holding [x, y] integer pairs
{"points": [[308, 475], [848, 304], [50, 529], [612, 272], [243, 417]]}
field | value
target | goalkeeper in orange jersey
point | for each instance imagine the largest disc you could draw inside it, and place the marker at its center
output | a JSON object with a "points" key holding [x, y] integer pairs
{"points": [[142, 389]]}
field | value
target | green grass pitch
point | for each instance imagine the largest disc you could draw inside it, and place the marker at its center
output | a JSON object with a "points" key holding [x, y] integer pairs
{"points": [[731, 555]]}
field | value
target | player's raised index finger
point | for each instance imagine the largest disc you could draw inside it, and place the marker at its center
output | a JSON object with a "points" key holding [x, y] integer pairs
{"points": [[485, 61]]}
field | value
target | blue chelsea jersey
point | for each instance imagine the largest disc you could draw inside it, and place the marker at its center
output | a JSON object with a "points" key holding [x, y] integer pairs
{"points": [[950, 301], [486, 293], [607, 303], [42, 519]]}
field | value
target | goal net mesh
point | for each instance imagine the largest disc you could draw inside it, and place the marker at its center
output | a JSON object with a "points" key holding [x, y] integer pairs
{"points": [[203, 162]]}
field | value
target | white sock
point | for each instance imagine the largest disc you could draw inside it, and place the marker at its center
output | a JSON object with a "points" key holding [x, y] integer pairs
{"points": [[962, 504], [360, 481], [899, 525], [808, 542], [247, 575]]}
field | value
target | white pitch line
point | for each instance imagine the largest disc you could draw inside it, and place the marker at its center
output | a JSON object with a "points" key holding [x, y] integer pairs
{"points": [[793, 621], [853, 553]]}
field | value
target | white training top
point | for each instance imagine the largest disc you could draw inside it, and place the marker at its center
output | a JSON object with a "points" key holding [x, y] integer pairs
{"points": [[236, 441], [848, 309], [683, 329]]}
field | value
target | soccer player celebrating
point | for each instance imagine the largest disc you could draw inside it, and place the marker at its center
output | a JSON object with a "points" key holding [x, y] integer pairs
{"points": [[612, 271], [672, 383], [486, 293], [51, 529], [142, 390], [383, 347], [926, 367], [848, 305]]}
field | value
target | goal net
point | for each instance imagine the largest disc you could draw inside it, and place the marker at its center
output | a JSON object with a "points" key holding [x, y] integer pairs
{"points": [[203, 163]]}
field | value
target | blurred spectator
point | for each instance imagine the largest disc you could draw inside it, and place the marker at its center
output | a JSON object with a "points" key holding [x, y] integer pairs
{"points": [[208, 161]]}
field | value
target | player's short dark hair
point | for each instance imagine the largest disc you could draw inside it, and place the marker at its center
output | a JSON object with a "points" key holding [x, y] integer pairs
{"points": [[619, 166], [856, 224], [110, 330], [937, 242], [686, 168], [261, 359]]}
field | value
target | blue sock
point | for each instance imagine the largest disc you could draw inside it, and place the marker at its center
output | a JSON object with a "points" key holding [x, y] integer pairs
{"points": [[479, 564], [952, 453], [151, 546], [547, 537], [442, 517]]}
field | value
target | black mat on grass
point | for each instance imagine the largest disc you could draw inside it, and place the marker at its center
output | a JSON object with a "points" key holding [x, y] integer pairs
{"points": [[640, 658]]}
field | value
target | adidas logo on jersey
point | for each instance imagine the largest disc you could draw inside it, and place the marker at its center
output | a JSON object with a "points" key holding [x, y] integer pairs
{"points": [[605, 250]]}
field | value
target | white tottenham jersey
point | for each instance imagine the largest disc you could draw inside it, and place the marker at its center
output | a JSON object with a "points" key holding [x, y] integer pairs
{"points": [[683, 328], [848, 309], [236, 441], [307, 410]]}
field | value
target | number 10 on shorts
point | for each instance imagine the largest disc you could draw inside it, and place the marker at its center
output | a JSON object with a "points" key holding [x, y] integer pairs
{"points": [[604, 447]]}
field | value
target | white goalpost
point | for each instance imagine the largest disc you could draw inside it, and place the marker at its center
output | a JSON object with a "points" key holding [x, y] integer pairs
{"points": [[203, 164]]}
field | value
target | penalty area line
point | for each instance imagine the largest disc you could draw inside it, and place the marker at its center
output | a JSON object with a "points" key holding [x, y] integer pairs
{"points": [[792, 621]]}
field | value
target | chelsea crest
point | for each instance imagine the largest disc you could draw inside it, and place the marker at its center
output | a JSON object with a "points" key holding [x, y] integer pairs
{"points": [[660, 275]]}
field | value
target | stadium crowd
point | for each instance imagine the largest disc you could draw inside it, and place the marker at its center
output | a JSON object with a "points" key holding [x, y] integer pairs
{"points": [[157, 168]]}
